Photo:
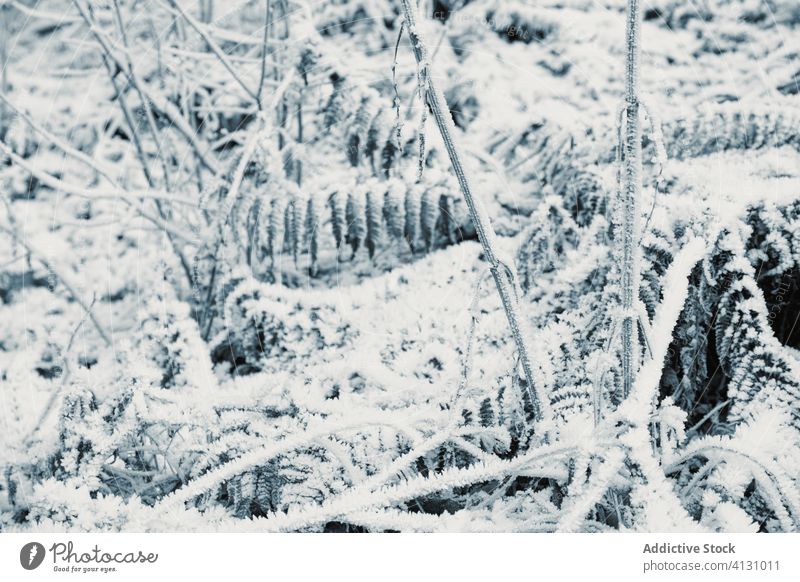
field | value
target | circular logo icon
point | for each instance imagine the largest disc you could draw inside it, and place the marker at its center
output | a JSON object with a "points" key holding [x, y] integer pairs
{"points": [[31, 555]]}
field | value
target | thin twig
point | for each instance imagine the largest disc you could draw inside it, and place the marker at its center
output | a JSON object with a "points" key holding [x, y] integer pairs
{"points": [[126, 197], [708, 415], [91, 163], [215, 48], [64, 378], [502, 271], [161, 103], [148, 110], [58, 274], [61, 19], [398, 122], [263, 77], [134, 80]]}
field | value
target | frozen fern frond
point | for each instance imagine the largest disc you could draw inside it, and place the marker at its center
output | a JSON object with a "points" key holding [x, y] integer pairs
{"points": [[498, 429], [171, 339], [677, 15], [131, 432], [303, 477], [341, 103], [363, 129], [77, 446], [575, 168], [256, 493], [565, 270], [740, 125], [758, 367], [364, 215], [375, 228], [658, 248], [266, 329], [743, 482], [551, 233], [774, 251], [355, 218], [734, 126], [381, 146], [371, 138], [358, 130], [556, 162], [687, 377], [728, 352], [93, 436]]}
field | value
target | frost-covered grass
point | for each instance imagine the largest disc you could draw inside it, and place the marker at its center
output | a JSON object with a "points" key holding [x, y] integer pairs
{"points": [[232, 309]]}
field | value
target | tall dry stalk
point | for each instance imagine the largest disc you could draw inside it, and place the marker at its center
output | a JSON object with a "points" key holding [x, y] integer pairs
{"points": [[631, 193], [501, 271]]}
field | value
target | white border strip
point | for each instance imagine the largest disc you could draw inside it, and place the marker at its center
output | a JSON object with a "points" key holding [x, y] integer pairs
{"points": [[386, 557]]}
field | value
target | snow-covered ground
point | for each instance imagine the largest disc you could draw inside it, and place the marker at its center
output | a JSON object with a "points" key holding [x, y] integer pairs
{"points": [[225, 307]]}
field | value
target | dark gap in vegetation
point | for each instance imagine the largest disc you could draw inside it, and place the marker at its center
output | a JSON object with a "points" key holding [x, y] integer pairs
{"points": [[652, 14], [11, 283]]}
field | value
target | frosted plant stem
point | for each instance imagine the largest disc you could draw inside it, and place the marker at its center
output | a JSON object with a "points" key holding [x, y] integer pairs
{"points": [[71, 288], [64, 378], [265, 41], [4, 57], [502, 273], [148, 110], [129, 118], [157, 100], [215, 48], [631, 192], [132, 199]]}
